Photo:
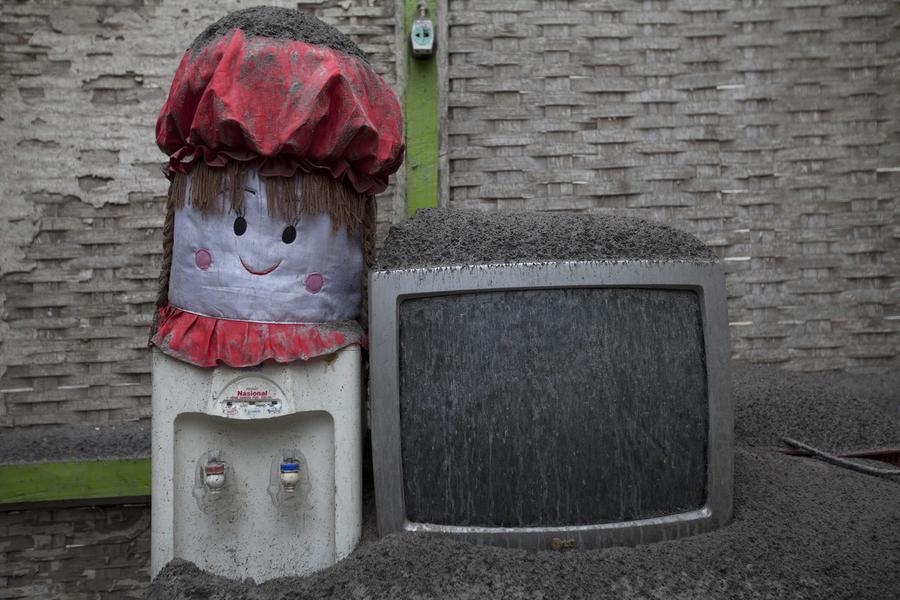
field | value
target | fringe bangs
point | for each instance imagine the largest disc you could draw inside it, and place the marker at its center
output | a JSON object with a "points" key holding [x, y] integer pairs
{"points": [[211, 190]]}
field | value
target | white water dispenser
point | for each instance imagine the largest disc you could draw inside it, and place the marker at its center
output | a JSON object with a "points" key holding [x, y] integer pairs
{"points": [[257, 471]]}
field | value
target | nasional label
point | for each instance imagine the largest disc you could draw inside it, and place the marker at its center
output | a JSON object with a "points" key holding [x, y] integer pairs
{"points": [[250, 398]]}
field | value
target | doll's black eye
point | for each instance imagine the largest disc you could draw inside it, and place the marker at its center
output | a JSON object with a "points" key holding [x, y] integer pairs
{"points": [[240, 226], [289, 234]]}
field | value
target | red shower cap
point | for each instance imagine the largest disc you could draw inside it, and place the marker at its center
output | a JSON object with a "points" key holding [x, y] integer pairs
{"points": [[295, 105]]}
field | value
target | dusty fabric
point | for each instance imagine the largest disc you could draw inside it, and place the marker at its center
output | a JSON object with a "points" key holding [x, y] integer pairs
{"points": [[210, 342], [253, 266], [278, 133], [298, 105]]}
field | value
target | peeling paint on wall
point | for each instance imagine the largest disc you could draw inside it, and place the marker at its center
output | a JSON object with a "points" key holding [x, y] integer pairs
{"points": [[82, 192]]}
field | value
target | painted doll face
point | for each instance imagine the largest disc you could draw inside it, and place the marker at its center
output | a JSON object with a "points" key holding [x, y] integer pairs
{"points": [[256, 267]]}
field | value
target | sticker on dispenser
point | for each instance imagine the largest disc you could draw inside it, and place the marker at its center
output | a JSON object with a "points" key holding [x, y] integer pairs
{"points": [[251, 397]]}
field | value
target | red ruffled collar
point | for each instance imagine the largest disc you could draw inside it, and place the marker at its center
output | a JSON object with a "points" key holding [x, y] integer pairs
{"points": [[208, 341]]}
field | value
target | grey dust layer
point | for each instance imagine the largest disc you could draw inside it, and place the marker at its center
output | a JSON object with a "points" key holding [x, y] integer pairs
{"points": [[470, 237], [279, 24], [75, 442], [802, 529]]}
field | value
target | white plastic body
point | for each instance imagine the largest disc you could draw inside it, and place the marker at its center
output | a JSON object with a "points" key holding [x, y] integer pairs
{"points": [[314, 406]]}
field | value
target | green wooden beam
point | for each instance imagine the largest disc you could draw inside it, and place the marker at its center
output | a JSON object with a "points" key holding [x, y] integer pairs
{"points": [[421, 110], [75, 480]]}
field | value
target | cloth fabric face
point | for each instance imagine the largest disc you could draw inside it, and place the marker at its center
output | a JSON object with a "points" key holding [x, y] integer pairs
{"points": [[254, 267]]}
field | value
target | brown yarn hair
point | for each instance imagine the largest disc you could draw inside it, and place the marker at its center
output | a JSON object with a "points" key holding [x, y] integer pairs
{"points": [[214, 190]]}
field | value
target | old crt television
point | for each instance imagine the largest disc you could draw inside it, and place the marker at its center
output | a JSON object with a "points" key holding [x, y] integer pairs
{"points": [[549, 381]]}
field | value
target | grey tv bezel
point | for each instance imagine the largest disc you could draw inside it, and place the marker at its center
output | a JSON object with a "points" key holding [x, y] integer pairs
{"points": [[389, 287]]}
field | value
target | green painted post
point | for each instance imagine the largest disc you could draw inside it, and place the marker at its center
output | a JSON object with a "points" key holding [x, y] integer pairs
{"points": [[74, 480], [421, 110]]}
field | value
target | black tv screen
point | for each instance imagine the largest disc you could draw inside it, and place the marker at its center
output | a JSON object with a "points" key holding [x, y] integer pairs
{"points": [[552, 407]]}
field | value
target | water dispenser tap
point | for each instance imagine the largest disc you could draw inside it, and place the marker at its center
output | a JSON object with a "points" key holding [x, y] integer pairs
{"points": [[290, 474], [214, 476]]}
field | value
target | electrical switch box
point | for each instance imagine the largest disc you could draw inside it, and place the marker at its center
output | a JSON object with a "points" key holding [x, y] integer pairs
{"points": [[422, 37]]}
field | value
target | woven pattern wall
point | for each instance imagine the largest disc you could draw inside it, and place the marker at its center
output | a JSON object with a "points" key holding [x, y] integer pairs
{"points": [[770, 129], [82, 553], [81, 82]]}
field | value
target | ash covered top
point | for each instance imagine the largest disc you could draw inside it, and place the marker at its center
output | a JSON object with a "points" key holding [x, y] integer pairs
{"points": [[279, 24], [76, 441], [443, 237]]}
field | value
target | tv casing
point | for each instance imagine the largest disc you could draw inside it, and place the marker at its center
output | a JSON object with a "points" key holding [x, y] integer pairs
{"points": [[388, 288]]}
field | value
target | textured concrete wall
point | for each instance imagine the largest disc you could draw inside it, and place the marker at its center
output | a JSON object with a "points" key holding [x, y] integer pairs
{"points": [[92, 553], [771, 129], [82, 191]]}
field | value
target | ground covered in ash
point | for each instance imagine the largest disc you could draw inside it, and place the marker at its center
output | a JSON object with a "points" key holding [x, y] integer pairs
{"points": [[802, 529]]}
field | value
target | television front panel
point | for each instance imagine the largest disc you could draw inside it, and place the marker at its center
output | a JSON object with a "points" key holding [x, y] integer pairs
{"points": [[551, 405]]}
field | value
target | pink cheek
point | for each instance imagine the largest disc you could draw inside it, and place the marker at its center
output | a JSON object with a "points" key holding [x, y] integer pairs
{"points": [[203, 259], [314, 283]]}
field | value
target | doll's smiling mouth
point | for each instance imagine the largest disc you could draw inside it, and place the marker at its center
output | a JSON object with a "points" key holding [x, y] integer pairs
{"points": [[263, 272]]}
